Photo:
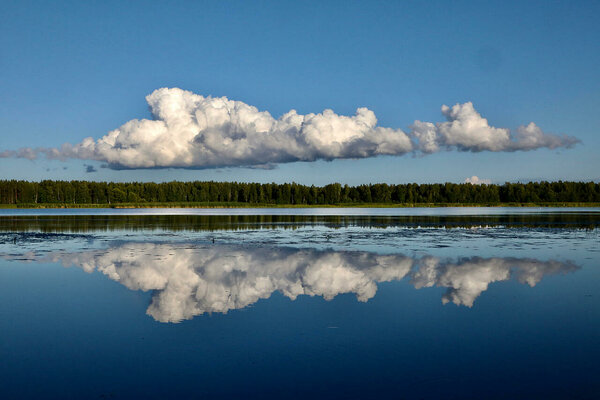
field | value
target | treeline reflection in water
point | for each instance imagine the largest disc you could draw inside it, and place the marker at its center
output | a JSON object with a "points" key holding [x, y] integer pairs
{"points": [[91, 223], [188, 279]]}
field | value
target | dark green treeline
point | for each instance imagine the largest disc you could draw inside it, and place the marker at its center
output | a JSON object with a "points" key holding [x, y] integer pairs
{"points": [[84, 192]]}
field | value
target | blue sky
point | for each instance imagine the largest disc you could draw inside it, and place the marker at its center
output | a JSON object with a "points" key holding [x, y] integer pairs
{"points": [[70, 70]]}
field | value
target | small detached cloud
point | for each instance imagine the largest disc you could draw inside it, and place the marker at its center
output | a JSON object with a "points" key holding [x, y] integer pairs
{"points": [[192, 131], [475, 180], [90, 169], [466, 130]]}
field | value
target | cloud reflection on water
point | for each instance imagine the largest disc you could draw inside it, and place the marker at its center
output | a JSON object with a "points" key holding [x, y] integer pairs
{"points": [[189, 280]]}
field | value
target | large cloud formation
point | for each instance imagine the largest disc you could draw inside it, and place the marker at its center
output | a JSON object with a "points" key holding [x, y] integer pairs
{"points": [[192, 131], [188, 280]]}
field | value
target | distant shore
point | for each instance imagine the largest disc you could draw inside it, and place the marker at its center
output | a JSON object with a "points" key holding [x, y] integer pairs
{"points": [[202, 194], [266, 205]]}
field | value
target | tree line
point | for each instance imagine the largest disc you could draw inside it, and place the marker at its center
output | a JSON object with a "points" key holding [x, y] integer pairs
{"points": [[109, 193]]}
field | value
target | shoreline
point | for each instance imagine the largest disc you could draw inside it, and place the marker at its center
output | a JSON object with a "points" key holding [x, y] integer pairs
{"points": [[252, 205]]}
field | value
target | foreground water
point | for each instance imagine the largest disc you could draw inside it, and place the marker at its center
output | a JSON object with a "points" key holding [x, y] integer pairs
{"points": [[500, 304]]}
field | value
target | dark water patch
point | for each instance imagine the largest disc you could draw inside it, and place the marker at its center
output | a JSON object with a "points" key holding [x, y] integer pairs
{"points": [[99, 223], [33, 237]]}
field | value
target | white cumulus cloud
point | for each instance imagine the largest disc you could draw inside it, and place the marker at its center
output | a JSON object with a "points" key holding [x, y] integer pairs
{"points": [[192, 131], [189, 130], [466, 130]]}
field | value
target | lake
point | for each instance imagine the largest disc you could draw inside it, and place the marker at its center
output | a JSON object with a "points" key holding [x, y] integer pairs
{"points": [[414, 303]]}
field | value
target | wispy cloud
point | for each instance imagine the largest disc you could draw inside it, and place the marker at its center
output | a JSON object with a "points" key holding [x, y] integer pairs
{"points": [[193, 131]]}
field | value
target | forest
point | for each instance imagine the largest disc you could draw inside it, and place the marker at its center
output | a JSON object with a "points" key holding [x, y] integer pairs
{"points": [[69, 193]]}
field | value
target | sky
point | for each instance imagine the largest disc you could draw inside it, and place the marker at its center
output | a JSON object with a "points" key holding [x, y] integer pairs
{"points": [[311, 92]]}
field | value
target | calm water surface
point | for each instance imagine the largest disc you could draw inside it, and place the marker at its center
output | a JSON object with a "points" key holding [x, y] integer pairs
{"points": [[300, 303], [391, 211]]}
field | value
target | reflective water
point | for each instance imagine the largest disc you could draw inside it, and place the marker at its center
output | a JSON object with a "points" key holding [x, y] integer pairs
{"points": [[270, 306], [368, 211]]}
